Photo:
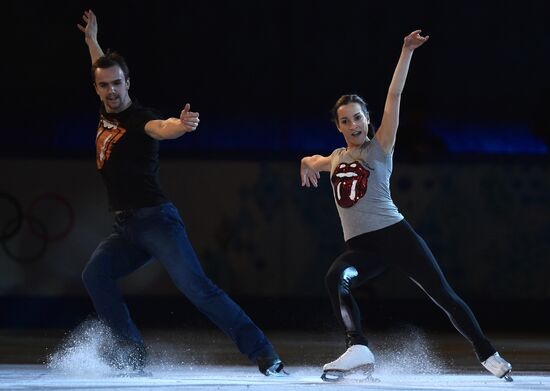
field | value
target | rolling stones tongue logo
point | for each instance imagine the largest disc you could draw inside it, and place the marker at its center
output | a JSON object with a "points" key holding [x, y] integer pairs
{"points": [[350, 183]]}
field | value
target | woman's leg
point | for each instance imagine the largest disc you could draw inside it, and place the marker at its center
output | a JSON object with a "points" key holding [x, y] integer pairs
{"points": [[349, 270], [411, 253]]}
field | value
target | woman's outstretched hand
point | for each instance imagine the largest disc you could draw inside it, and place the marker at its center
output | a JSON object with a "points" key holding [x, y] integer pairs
{"points": [[414, 40], [309, 175]]}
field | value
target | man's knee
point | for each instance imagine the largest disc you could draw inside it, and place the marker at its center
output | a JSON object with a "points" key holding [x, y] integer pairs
{"points": [[93, 274], [89, 276]]}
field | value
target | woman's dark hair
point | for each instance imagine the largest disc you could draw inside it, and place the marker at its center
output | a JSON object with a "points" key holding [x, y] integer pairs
{"points": [[352, 98], [111, 59]]}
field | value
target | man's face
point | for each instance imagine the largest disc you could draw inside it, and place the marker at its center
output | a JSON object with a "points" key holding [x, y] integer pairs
{"points": [[112, 88]]}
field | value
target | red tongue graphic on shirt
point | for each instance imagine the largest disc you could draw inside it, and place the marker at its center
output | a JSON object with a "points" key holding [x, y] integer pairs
{"points": [[350, 183]]}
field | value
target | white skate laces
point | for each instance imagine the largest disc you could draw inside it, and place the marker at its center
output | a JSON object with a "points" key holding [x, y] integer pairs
{"points": [[498, 367], [356, 358]]}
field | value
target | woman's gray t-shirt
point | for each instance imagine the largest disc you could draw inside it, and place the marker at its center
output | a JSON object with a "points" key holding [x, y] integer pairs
{"points": [[361, 186]]}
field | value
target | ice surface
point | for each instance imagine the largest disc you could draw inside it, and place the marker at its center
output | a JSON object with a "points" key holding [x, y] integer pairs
{"points": [[35, 377]]}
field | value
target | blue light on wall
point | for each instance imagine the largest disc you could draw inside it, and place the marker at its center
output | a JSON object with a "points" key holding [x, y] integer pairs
{"points": [[286, 136], [489, 138]]}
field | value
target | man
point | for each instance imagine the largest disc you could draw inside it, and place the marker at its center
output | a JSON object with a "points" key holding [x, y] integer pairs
{"points": [[147, 224]]}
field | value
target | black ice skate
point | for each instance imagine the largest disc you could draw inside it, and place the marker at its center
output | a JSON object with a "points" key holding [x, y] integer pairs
{"points": [[498, 367], [128, 358], [358, 359], [270, 364]]}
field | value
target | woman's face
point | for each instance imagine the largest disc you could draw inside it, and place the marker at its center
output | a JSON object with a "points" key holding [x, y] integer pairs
{"points": [[353, 124]]}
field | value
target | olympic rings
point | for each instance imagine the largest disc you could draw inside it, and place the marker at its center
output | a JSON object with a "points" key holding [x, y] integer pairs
{"points": [[43, 200], [43, 208], [7, 232], [36, 254]]}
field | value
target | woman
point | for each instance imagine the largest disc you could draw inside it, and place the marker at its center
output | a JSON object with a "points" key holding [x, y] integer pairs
{"points": [[377, 236]]}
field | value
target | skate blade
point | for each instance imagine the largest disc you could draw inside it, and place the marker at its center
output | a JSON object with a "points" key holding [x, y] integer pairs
{"points": [[276, 370], [508, 376], [281, 373], [360, 374], [140, 373], [332, 376]]}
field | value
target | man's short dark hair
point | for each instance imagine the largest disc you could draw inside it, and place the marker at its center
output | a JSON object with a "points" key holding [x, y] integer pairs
{"points": [[111, 59]]}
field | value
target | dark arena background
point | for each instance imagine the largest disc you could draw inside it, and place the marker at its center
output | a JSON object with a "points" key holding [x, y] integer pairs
{"points": [[471, 174]]}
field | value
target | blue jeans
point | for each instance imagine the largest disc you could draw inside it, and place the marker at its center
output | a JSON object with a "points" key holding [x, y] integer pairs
{"points": [[158, 232]]}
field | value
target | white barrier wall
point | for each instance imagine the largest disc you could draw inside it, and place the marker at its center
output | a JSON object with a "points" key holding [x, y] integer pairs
{"points": [[257, 232]]}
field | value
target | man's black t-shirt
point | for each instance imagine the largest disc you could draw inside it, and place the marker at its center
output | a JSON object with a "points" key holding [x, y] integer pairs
{"points": [[127, 158]]}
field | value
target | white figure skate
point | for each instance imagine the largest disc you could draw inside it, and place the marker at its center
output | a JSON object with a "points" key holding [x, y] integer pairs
{"points": [[358, 358], [498, 367]]}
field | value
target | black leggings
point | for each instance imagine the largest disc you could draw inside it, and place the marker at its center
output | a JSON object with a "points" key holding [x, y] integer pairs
{"points": [[370, 254]]}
